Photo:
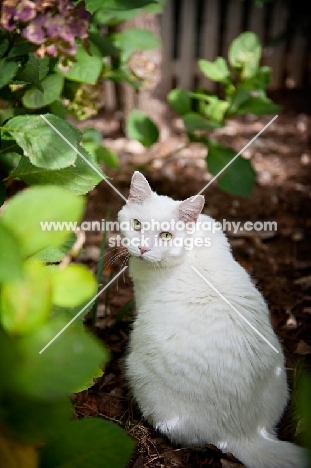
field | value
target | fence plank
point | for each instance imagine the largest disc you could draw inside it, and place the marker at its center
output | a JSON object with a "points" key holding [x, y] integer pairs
{"points": [[255, 20], [210, 37], [295, 61], [167, 35], [275, 56], [233, 24], [187, 45], [110, 95], [290, 64]]}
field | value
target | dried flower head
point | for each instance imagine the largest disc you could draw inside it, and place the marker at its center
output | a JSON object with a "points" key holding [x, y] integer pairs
{"points": [[52, 25]]}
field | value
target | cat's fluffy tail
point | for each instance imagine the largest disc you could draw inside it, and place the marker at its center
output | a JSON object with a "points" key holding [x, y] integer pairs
{"points": [[271, 453]]}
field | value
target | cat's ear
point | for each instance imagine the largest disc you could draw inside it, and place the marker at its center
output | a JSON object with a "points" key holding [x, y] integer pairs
{"points": [[140, 190], [189, 209]]}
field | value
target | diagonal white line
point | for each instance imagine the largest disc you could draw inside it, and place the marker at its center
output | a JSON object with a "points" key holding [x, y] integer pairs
{"points": [[236, 310], [79, 313], [236, 156], [83, 157]]}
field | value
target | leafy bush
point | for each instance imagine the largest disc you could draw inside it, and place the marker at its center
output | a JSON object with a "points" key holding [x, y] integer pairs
{"points": [[36, 303], [54, 59], [244, 92], [243, 89]]}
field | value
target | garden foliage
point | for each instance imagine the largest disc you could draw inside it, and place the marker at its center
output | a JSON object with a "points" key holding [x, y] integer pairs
{"points": [[54, 57], [242, 84], [37, 426]]}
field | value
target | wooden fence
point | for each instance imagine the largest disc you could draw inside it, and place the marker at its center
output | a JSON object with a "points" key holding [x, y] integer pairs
{"points": [[193, 29]]}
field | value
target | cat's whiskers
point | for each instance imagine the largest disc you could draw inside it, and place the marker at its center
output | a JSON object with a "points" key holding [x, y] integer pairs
{"points": [[128, 256], [116, 257], [108, 250]]}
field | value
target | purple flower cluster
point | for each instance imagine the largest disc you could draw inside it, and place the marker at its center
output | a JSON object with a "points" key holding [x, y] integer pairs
{"points": [[52, 25]]}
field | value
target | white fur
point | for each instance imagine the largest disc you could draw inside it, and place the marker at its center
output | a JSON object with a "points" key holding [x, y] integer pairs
{"points": [[199, 373]]}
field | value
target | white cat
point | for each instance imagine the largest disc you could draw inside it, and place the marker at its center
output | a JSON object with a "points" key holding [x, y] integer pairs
{"points": [[199, 372]]}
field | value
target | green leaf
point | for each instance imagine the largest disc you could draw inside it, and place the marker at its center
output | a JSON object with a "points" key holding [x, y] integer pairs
{"points": [[8, 365], [180, 100], [216, 109], [194, 121], [9, 161], [93, 135], [239, 97], [80, 178], [114, 17], [90, 147], [20, 49], [259, 80], [34, 71], [88, 384], [25, 303], [155, 8], [102, 154], [59, 109], [108, 157], [42, 144], [72, 285], [244, 53], [117, 5], [2, 192], [216, 71], [258, 105], [4, 45], [56, 254], [6, 114], [105, 46], [124, 74], [134, 39], [7, 71], [33, 420], [86, 68], [66, 363], [36, 206], [92, 144], [11, 265], [52, 87], [90, 442], [67, 313], [239, 178], [141, 128], [203, 96]]}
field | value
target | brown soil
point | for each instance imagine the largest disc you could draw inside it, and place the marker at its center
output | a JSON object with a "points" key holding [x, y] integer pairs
{"points": [[280, 263]]}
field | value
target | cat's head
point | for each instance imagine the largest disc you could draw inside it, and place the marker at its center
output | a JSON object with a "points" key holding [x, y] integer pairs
{"points": [[151, 223]]}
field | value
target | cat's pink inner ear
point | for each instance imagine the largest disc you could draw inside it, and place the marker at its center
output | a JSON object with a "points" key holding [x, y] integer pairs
{"points": [[140, 190], [189, 209]]}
